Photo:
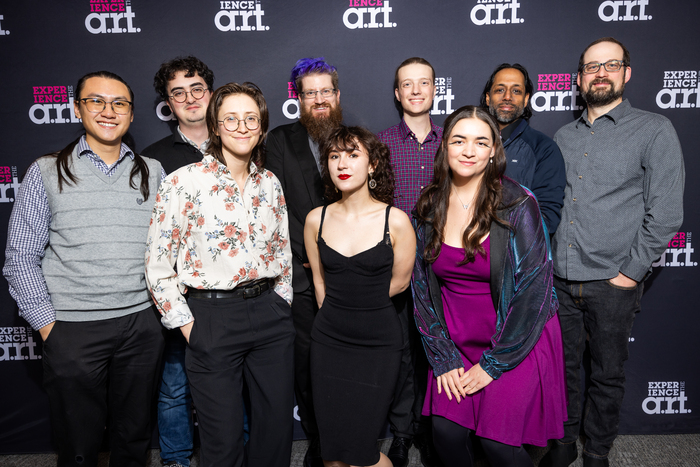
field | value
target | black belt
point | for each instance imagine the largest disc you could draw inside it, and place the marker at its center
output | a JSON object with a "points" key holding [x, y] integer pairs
{"points": [[250, 290]]}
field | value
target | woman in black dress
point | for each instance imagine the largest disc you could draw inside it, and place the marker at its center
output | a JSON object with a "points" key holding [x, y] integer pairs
{"points": [[361, 252]]}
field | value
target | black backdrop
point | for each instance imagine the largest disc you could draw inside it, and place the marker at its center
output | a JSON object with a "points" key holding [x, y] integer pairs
{"points": [[46, 46]]}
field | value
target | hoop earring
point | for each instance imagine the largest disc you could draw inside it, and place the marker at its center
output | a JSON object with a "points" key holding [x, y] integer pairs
{"points": [[372, 182]]}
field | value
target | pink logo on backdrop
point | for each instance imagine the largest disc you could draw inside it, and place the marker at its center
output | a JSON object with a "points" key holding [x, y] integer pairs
{"points": [[8, 181], [52, 104], [556, 92], [679, 252], [110, 17], [292, 101]]}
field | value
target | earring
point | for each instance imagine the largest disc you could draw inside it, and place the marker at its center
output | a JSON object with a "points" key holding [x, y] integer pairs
{"points": [[372, 182], [490, 160]]}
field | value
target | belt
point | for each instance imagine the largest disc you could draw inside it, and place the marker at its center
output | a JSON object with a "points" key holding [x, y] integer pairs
{"points": [[250, 290]]}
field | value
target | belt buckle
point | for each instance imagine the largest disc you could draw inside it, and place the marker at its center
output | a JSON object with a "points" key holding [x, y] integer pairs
{"points": [[252, 291]]}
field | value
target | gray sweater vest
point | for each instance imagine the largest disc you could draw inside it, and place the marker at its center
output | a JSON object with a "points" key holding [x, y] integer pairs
{"points": [[94, 262]]}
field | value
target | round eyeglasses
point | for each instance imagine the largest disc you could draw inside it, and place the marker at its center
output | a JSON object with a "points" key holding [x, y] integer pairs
{"points": [[251, 122], [180, 95]]}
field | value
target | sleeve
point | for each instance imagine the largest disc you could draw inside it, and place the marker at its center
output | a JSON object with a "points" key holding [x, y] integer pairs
{"points": [[439, 348], [549, 182], [169, 226], [664, 180], [27, 238], [282, 247], [527, 299]]}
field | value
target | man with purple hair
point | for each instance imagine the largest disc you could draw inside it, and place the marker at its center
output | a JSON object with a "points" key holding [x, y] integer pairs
{"points": [[293, 156]]}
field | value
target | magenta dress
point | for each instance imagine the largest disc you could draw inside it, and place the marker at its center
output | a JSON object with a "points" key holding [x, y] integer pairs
{"points": [[526, 405]]}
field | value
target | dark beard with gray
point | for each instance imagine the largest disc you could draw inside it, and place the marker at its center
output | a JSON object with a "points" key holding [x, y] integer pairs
{"points": [[602, 97], [319, 127]]}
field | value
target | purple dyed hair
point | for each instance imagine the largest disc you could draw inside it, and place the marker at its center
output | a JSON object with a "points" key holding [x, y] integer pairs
{"points": [[312, 66]]}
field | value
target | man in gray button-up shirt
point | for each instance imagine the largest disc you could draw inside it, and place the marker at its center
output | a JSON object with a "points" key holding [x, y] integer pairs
{"points": [[623, 203]]}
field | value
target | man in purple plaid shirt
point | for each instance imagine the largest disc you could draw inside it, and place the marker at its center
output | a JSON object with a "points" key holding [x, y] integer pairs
{"points": [[413, 144]]}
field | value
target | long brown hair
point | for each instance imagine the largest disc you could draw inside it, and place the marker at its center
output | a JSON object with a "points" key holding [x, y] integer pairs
{"points": [[217, 99], [433, 202], [63, 160], [349, 139]]}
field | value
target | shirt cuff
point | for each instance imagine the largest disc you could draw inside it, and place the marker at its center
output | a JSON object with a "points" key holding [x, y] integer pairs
{"points": [[41, 316], [177, 317]]}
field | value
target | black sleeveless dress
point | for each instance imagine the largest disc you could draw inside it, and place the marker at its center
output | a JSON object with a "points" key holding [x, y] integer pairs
{"points": [[355, 351]]}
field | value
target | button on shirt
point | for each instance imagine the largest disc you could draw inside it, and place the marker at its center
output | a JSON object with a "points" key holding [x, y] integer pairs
{"points": [[623, 200], [215, 237], [411, 160]]}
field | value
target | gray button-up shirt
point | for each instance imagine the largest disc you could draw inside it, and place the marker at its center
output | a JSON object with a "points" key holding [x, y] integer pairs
{"points": [[623, 200]]}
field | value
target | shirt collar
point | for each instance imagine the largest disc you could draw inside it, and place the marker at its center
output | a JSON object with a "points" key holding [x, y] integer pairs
{"points": [[615, 114], [406, 132], [202, 148], [84, 148]]}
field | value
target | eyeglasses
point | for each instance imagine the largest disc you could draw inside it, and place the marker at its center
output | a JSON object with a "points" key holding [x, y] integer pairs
{"points": [[611, 66], [180, 95], [251, 122], [96, 105], [325, 93]]}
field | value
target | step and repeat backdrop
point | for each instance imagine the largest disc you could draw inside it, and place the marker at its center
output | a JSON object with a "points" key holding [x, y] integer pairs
{"points": [[46, 46]]}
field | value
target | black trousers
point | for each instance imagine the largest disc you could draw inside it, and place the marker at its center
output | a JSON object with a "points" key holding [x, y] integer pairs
{"points": [[304, 309], [230, 338], [405, 417], [96, 371]]}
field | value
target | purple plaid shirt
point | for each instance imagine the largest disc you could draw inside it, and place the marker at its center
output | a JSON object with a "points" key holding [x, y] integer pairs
{"points": [[412, 161]]}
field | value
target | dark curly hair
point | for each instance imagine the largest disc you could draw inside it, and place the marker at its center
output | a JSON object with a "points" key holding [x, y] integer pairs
{"points": [[190, 65], [350, 139], [217, 99]]}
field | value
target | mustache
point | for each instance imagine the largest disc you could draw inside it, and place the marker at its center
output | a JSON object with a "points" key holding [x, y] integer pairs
{"points": [[602, 81]]}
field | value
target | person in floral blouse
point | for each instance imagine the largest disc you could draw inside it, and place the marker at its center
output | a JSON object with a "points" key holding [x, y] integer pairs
{"points": [[219, 267]]}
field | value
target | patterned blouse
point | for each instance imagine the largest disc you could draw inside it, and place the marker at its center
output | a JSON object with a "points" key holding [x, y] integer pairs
{"points": [[206, 234]]}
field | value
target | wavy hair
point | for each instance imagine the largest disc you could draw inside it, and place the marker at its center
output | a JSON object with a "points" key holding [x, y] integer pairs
{"points": [[350, 139], [217, 99], [63, 157], [433, 202]]}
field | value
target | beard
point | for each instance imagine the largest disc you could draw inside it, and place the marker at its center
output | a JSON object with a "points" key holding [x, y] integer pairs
{"points": [[506, 117], [319, 127], [602, 97]]}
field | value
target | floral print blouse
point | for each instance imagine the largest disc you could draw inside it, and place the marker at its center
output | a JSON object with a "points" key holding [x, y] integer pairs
{"points": [[206, 234]]}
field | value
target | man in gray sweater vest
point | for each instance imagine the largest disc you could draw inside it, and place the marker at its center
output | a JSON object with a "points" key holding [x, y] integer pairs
{"points": [[75, 266]]}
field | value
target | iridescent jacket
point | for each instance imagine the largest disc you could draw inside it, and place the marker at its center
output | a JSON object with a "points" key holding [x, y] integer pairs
{"points": [[521, 288]]}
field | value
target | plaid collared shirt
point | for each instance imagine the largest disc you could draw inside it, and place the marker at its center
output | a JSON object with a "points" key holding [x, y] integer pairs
{"points": [[412, 161]]}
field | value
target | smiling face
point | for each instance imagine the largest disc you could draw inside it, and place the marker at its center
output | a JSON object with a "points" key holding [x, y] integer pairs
{"points": [[469, 148], [416, 89], [603, 88], [319, 107], [507, 98], [238, 144], [349, 170], [105, 128], [193, 111]]}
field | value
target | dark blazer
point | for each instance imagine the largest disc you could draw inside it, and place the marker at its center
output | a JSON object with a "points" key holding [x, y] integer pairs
{"points": [[290, 158]]}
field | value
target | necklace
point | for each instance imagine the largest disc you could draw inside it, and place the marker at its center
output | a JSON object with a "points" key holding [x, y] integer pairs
{"points": [[464, 206]]}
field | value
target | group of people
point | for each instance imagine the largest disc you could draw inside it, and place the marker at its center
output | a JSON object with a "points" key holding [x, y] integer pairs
{"points": [[445, 280]]}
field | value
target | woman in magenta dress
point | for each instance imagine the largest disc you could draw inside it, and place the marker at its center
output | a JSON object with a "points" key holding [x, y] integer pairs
{"points": [[485, 304]]}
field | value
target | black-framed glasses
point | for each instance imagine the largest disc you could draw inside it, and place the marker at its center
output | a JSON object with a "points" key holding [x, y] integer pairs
{"points": [[180, 95], [325, 93], [611, 66], [251, 122], [97, 105]]}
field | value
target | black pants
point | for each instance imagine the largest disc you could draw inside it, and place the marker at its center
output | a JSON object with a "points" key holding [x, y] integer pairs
{"points": [[304, 309], [100, 370], [405, 417], [232, 337], [453, 443]]}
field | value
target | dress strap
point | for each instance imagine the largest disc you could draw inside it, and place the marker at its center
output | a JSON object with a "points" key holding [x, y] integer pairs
{"points": [[320, 226], [387, 237]]}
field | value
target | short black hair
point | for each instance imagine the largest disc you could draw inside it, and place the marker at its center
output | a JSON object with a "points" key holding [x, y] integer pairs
{"points": [[527, 112], [190, 65], [625, 52]]}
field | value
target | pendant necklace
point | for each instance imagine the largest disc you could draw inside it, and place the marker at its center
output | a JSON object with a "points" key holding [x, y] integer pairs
{"points": [[464, 206]]}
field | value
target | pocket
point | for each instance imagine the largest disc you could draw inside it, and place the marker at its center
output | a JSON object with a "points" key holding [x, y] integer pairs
{"points": [[280, 305], [51, 334], [619, 287]]}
